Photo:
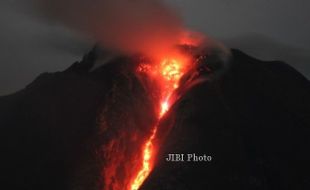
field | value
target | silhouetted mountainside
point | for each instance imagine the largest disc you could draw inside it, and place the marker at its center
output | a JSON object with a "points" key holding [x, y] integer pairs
{"points": [[254, 120], [54, 132], [255, 123]]}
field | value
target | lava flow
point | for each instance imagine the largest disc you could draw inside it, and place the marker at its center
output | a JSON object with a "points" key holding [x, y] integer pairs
{"points": [[167, 74]]}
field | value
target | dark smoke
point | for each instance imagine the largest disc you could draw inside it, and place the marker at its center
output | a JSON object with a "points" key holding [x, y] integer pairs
{"points": [[130, 26]]}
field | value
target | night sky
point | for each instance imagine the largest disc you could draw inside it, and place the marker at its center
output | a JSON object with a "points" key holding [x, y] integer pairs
{"points": [[266, 29]]}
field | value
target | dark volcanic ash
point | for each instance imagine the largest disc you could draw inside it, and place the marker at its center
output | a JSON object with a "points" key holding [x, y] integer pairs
{"points": [[147, 26]]}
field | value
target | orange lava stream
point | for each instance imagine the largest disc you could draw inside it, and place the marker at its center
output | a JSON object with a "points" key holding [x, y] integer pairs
{"points": [[168, 74], [146, 165]]}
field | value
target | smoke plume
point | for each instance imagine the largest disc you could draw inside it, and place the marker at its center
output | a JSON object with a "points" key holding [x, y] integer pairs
{"points": [[130, 26]]}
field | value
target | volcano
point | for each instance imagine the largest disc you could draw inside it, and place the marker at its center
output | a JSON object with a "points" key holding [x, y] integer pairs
{"points": [[106, 123]]}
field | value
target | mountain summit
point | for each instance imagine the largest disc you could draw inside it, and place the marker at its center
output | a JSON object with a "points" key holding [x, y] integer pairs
{"points": [[65, 130]]}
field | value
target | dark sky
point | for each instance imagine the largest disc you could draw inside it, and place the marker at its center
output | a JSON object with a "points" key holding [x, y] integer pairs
{"points": [[266, 29]]}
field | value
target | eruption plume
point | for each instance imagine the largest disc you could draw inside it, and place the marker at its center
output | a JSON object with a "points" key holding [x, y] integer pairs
{"points": [[147, 26]]}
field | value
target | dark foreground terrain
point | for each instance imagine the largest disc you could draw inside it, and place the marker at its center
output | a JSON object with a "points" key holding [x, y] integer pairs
{"points": [[254, 120]]}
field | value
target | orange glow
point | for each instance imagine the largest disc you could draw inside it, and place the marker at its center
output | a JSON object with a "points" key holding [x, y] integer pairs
{"points": [[146, 164], [164, 108], [167, 74]]}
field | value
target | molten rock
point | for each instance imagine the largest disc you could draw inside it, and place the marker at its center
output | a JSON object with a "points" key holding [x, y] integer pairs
{"points": [[88, 127]]}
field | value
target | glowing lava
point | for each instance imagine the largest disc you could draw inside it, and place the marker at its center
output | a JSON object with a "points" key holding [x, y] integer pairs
{"points": [[146, 165], [167, 74]]}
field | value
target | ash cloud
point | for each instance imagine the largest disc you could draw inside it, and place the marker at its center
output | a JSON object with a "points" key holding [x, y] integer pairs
{"points": [[130, 26]]}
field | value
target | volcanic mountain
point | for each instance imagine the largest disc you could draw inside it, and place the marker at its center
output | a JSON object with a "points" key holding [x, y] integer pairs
{"points": [[86, 127]]}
